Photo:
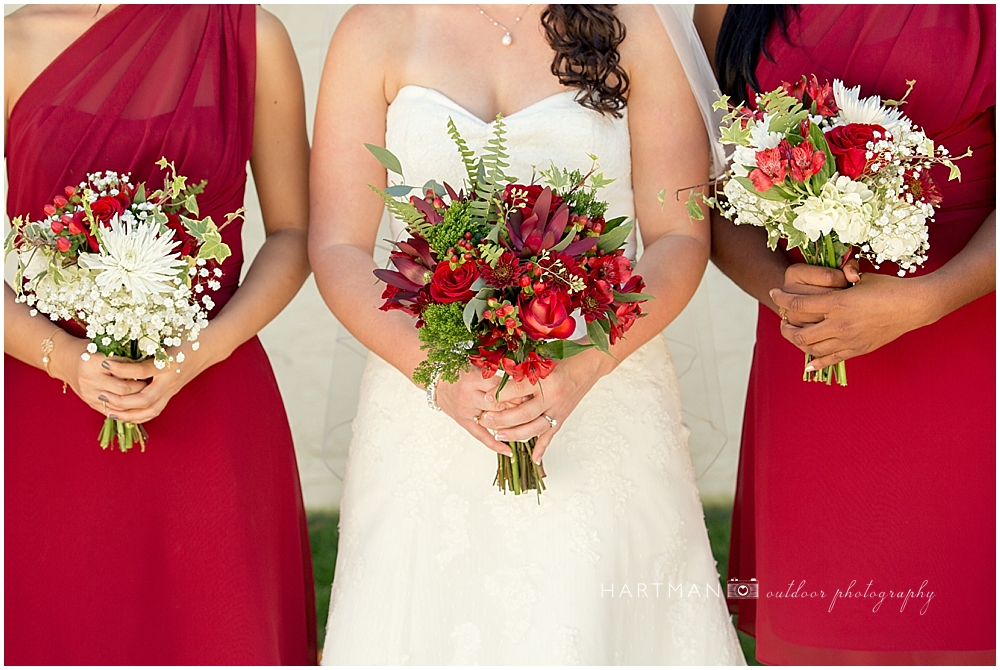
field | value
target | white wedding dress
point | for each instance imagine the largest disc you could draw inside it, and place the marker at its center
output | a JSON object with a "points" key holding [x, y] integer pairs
{"points": [[611, 566]]}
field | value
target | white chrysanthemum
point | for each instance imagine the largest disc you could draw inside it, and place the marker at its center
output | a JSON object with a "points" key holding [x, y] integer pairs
{"points": [[761, 137], [871, 111], [138, 259]]}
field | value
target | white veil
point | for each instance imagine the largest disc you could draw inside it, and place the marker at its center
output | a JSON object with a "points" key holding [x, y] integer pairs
{"points": [[691, 336]]}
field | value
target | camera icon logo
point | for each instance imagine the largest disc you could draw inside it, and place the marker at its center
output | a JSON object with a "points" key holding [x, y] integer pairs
{"points": [[741, 589]]}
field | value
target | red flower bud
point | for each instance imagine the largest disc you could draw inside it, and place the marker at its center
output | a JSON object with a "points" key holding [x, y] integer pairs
{"points": [[57, 226], [63, 244], [69, 190], [49, 210], [59, 201]]}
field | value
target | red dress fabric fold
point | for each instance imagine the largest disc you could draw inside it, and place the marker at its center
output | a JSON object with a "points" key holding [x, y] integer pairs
{"points": [[196, 551], [888, 485]]}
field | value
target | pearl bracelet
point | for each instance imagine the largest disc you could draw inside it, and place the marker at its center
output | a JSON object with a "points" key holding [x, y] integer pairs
{"points": [[48, 346], [431, 389]]}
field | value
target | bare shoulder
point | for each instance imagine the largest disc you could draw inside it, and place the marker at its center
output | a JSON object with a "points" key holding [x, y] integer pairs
{"points": [[373, 25], [646, 42]]}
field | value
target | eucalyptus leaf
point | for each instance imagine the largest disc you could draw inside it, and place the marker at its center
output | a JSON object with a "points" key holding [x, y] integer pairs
{"points": [[386, 158], [399, 190], [468, 314]]}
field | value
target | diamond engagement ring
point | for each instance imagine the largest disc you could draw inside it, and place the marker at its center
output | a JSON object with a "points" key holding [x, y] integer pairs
{"points": [[552, 422]]}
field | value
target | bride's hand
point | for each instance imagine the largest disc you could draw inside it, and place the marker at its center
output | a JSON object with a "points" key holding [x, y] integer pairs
{"points": [[465, 400], [550, 403]]}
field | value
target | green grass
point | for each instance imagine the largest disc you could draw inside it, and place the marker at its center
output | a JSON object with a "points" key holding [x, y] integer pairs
{"points": [[323, 539]]}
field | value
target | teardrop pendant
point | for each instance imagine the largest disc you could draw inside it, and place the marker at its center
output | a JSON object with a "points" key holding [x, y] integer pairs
{"points": [[506, 40]]}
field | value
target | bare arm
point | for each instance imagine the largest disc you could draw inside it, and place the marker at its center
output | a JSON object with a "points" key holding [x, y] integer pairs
{"points": [[346, 212], [669, 150], [280, 163]]}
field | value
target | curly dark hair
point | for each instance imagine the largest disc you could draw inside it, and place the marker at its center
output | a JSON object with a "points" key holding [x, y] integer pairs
{"points": [[586, 40]]}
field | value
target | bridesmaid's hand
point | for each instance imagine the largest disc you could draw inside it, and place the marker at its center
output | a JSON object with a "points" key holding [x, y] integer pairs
{"points": [[554, 397], [92, 379], [159, 385], [805, 279], [841, 324], [466, 400]]}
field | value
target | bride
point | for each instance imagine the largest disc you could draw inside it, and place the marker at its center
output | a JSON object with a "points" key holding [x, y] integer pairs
{"points": [[436, 566]]}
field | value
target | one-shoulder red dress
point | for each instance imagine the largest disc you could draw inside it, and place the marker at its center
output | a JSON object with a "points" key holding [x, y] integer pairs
{"points": [[196, 551], [883, 491]]}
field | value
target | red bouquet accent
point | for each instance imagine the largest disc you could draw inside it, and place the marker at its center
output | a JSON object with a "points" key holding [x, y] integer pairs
{"points": [[500, 276]]}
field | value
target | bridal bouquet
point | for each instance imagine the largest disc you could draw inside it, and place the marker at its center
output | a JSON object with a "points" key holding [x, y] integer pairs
{"points": [[831, 173], [498, 276], [135, 269]]}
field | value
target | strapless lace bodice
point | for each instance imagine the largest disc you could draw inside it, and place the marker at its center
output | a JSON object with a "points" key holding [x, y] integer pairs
{"points": [[555, 128]]}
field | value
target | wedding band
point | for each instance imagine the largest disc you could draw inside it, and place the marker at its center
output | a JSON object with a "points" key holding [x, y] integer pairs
{"points": [[552, 422], [783, 313], [477, 417], [105, 404]]}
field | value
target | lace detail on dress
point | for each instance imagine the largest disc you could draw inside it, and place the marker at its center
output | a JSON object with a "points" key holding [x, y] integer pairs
{"points": [[436, 566]]}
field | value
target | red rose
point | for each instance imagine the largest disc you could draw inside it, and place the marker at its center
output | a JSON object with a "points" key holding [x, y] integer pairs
{"points": [[526, 203], [105, 208], [449, 285], [848, 145], [547, 316]]}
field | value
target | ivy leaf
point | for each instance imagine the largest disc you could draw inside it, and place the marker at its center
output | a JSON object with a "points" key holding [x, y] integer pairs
{"points": [[694, 211], [600, 181], [954, 171], [615, 238], [386, 158], [140, 194], [598, 337], [735, 135], [721, 103]]}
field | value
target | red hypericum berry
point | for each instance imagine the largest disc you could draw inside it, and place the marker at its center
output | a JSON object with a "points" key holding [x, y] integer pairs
{"points": [[525, 281], [413, 199], [438, 203], [49, 210], [74, 229], [492, 302], [537, 271], [487, 315], [69, 191], [539, 286], [59, 201], [63, 244], [468, 236], [467, 257], [57, 226], [510, 323]]}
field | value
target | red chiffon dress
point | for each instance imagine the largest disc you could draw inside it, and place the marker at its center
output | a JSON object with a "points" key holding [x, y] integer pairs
{"points": [[196, 551], [888, 485]]}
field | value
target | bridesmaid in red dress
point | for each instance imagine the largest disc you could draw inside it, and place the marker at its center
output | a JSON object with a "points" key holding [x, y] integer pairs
{"points": [[850, 499], [196, 551]]}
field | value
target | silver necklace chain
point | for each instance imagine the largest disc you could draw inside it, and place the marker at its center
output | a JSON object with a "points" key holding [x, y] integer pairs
{"points": [[507, 38]]}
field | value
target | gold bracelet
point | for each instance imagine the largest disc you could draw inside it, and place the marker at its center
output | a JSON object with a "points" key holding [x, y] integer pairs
{"points": [[47, 347]]}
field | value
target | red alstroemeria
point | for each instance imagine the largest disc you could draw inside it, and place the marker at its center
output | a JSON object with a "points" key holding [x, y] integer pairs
{"points": [[188, 243], [808, 90], [806, 161], [489, 361], [772, 166], [616, 269], [534, 368]]}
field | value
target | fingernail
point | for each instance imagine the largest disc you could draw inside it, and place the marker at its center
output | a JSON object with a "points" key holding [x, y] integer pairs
{"points": [[488, 398], [105, 365], [536, 460], [771, 293], [102, 398], [810, 368], [112, 417], [488, 418], [501, 437]]}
